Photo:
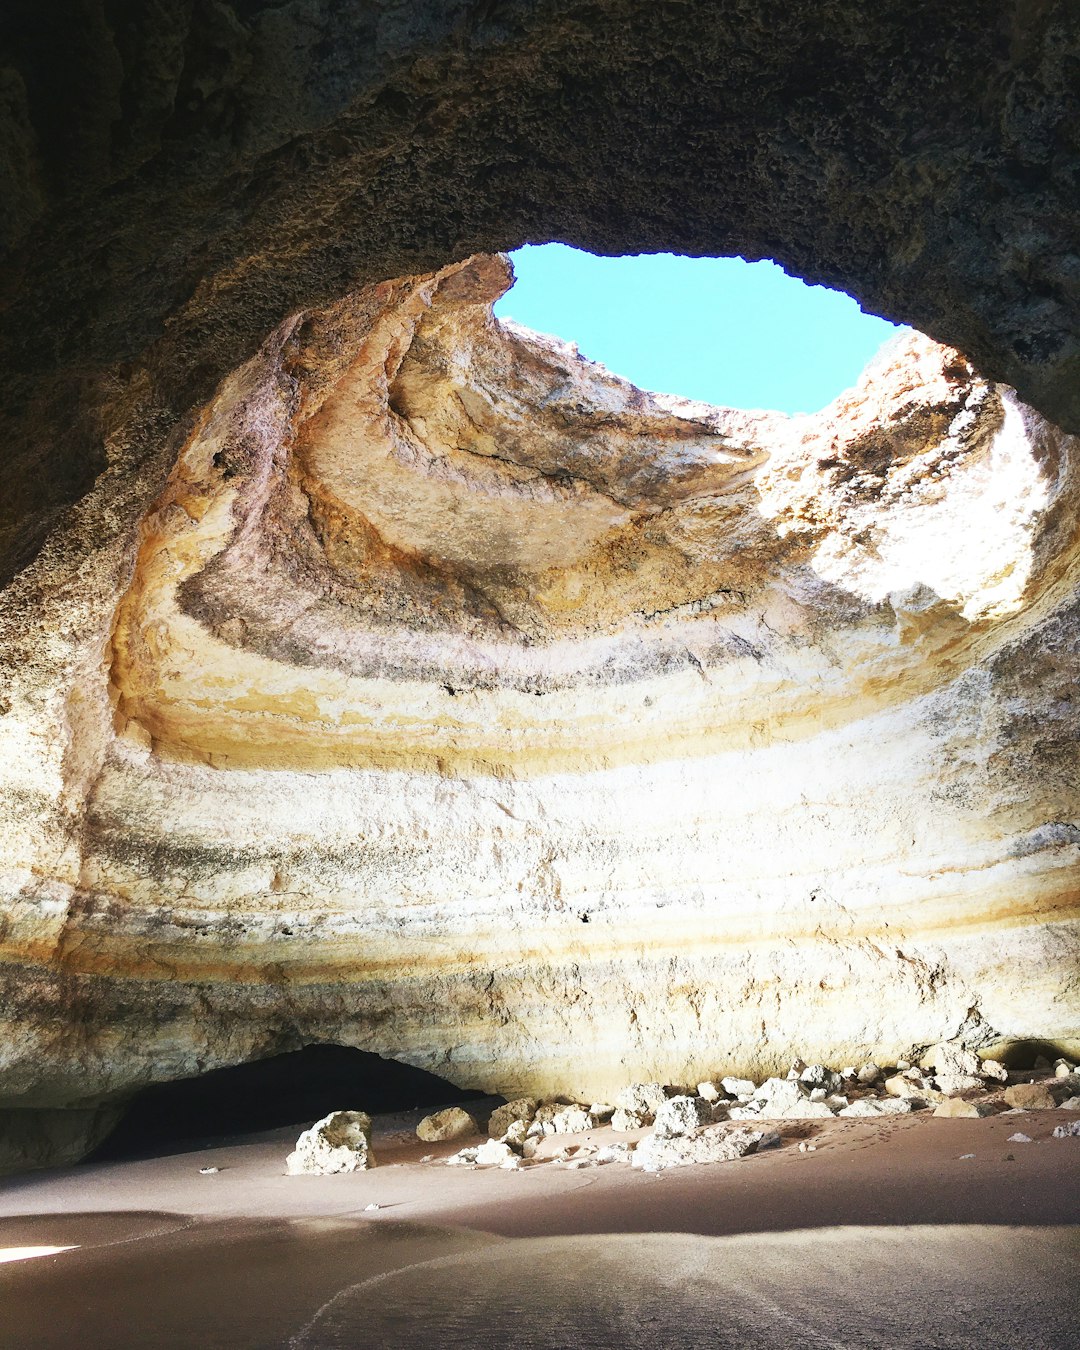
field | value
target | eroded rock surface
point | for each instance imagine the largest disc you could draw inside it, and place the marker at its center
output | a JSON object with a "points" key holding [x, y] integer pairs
{"points": [[456, 700]]}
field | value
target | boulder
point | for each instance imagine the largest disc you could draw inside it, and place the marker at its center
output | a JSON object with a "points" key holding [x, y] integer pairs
{"points": [[624, 1120], [818, 1076], [1030, 1096], [521, 1108], [956, 1108], [642, 1099], [680, 1116], [340, 1142], [453, 1123], [953, 1083], [494, 1153], [572, 1120], [952, 1058], [1070, 1130], [738, 1087], [1069, 1104], [709, 1146], [877, 1106]]}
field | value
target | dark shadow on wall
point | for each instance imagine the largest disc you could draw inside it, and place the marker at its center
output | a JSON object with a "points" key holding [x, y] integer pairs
{"points": [[288, 1089]]}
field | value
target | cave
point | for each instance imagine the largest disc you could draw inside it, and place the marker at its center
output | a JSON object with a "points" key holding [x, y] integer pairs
{"points": [[379, 675]]}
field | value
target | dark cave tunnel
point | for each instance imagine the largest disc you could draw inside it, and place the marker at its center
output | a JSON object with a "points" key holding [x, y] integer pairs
{"points": [[295, 1088]]}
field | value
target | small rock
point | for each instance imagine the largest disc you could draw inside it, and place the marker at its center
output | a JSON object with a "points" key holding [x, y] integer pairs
{"points": [[1029, 1096], [708, 1092], [1062, 1068], [453, 1123], [1070, 1130], [902, 1065], [624, 1120], [849, 1073], [738, 1087], [642, 1099], [952, 1083], [1070, 1104], [516, 1134], [529, 1147], [796, 1070], [876, 1106], [818, 1094], [805, 1147], [572, 1120], [613, 1153], [493, 1154], [956, 1108], [209, 1171], [512, 1164], [1019, 1138], [680, 1116], [521, 1108], [995, 1071], [950, 1058], [964, 1156], [369, 1208], [601, 1112], [818, 1076], [340, 1142], [869, 1074], [837, 1101], [708, 1146], [899, 1086]]}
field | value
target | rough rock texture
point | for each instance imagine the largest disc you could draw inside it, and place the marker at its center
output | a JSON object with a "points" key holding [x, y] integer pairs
{"points": [[453, 1123], [175, 180], [710, 1145], [454, 699], [340, 1142]]}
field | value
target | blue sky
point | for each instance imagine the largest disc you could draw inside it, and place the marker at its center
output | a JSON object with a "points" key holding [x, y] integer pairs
{"points": [[737, 334]]}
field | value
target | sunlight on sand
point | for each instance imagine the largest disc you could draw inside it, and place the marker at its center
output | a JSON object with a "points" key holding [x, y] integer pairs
{"points": [[28, 1253]]}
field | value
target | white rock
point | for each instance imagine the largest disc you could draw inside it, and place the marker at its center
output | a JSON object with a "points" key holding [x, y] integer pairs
{"points": [[818, 1094], [949, 1058], [209, 1171], [902, 1066], [572, 1120], [680, 1116], [1019, 1138], [738, 1087], [1062, 1068], [453, 1123], [601, 1111], [952, 1083], [837, 1101], [463, 1156], [624, 1120], [708, 1092], [850, 1072], [1070, 1130], [818, 1076], [1069, 1104], [781, 1092], [869, 1074], [708, 1146], [493, 1154], [990, 1068], [340, 1142], [521, 1108], [875, 1106], [642, 1099]]}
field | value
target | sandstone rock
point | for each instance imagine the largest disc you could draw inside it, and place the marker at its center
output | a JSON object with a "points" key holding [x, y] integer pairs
{"points": [[707, 1146], [625, 1121], [951, 1058], [1030, 1096], [818, 1076], [1070, 1130], [520, 1109], [452, 1123], [340, 1142], [642, 1099], [494, 1153], [572, 1120], [952, 1083], [956, 1108], [681, 1115], [873, 1106]]}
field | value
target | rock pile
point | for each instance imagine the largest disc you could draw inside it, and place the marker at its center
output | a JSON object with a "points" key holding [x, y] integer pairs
{"points": [[712, 1122]]}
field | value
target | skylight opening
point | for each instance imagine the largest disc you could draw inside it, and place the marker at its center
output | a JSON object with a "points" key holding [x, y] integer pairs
{"points": [[727, 332]]}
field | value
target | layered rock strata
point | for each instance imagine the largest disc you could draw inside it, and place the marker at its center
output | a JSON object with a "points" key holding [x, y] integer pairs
{"points": [[436, 692]]}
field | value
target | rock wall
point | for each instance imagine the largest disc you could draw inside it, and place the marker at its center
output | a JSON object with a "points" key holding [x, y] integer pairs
{"points": [[432, 690]]}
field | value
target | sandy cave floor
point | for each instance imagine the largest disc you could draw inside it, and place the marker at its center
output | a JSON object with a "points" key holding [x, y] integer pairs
{"points": [[885, 1234]]}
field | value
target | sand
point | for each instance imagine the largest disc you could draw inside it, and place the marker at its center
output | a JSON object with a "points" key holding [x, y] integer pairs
{"points": [[161, 1255]]}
